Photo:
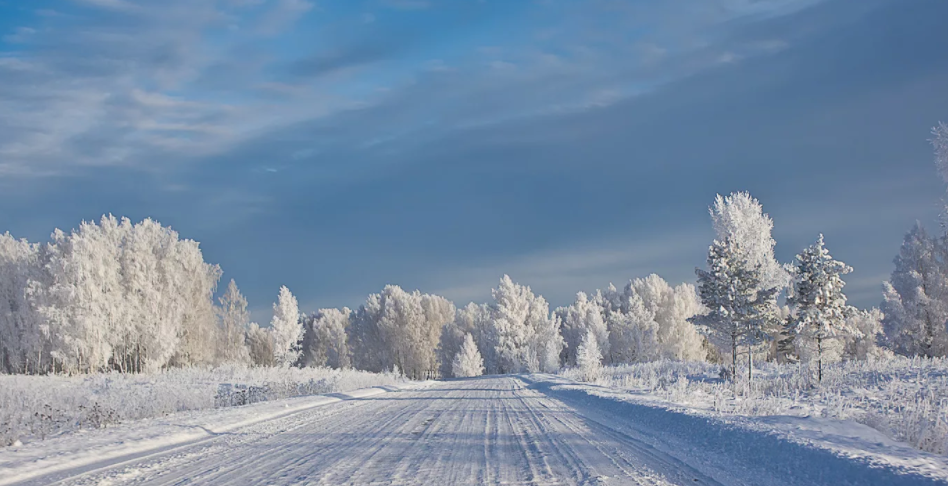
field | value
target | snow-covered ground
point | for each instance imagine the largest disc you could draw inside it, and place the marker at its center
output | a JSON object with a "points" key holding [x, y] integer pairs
{"points": [[37, 407], [904, 399], [537, 429]]}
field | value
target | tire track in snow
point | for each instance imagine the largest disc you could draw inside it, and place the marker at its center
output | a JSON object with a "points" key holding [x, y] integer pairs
{"points": [[490, 430]]}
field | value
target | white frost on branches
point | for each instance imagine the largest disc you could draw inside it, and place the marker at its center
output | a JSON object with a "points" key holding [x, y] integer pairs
{"points": [[589, 358], [740, 218], [821, 315], [467, 362], [286, 328], [522, 332]]}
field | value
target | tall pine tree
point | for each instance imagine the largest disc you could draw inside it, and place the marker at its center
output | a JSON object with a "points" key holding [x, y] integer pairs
{"points": [[741, 311]]}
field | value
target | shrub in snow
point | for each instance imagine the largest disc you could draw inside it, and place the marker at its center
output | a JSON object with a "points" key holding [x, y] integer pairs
{"points": [[468, 361], [863, 344], [589, 358], [33, 407]]}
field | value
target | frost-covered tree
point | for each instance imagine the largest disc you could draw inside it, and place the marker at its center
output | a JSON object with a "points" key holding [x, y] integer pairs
{"points": [[820, 311], [525, 336], [588, 357], [467, 362], [863, 344], [472, 319], [940, 144], [582, 316], [286, 329], [915, 299], [676, 336], [21, 337], [234, 320], [260, 345], [741, 310], [784, 349], [107, 295], [398, 329], [124, 296], [740, 218], [633, 332], [325, 339], [368, 350]]}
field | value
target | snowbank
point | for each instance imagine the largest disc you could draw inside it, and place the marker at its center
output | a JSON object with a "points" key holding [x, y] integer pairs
{"points": [[36, 407], [861, 409], [90, 450], [808, 450]]}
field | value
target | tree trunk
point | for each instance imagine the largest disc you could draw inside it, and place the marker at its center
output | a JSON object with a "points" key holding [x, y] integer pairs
{"points": [[750, 363], [733, 356], [819, 358]]}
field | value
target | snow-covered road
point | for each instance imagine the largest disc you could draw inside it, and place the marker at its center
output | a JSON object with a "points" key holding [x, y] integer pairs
{"points": [[491, 430]]}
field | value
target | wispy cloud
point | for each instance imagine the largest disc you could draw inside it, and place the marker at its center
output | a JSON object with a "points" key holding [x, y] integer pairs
{"points": [[566, 144]]}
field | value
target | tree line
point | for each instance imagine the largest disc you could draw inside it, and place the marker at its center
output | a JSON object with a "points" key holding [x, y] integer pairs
{"points": [[114, 295]]}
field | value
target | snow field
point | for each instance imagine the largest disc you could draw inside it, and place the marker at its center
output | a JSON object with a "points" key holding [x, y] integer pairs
{"points": [[36, 407], [906, 399]]}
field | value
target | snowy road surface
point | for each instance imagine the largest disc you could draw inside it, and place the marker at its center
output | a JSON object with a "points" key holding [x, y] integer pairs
{"points": [[491, 430]]}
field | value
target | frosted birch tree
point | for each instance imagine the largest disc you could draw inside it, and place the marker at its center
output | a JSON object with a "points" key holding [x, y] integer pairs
{"points": [[633, 332], [234, 321], [21, 337], [677, 338], [398, 329], [325, 340], [581, 316], [915, 298], [740, 218], [260, 345], [526, 337], [286, 329], [471, 319]]}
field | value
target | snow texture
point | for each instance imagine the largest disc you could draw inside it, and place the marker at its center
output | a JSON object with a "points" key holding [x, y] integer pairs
{"points": [[535, 429]]}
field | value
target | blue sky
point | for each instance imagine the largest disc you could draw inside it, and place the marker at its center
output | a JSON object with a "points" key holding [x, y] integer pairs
{"points": [[336, 147]]}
